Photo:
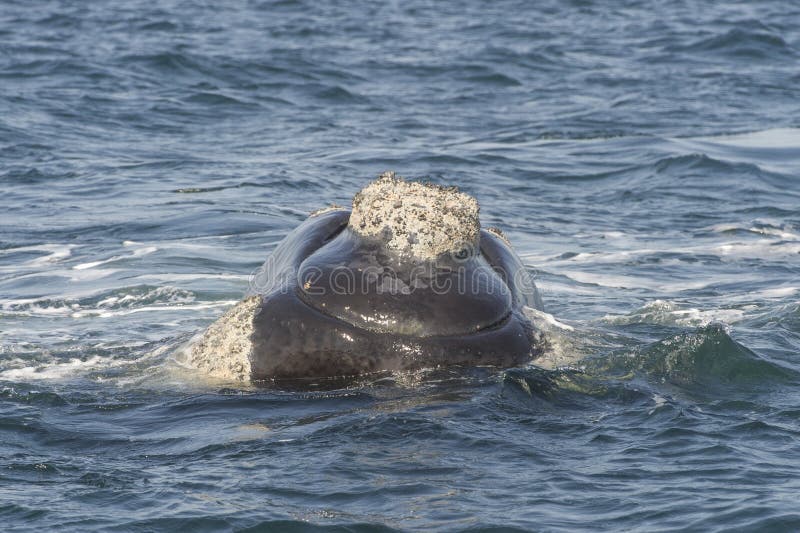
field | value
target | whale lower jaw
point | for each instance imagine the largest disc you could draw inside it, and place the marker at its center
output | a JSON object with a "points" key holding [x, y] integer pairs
{"points": [[292, 340]]}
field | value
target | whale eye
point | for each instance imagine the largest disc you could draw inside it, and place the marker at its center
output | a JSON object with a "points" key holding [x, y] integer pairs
{"points": [[461, 254]]}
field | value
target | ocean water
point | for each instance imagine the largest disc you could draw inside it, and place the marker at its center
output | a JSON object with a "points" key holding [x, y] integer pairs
{"points": [[643, 157]]}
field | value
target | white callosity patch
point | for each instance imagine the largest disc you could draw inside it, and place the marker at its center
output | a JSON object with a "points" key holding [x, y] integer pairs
{"points": [[419, 219], [224, 349], [499, 233], [328, 209]]}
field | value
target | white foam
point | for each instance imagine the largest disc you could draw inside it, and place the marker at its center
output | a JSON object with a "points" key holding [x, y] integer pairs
{"points": [[136, 253], [756, 250], [168, 293], [665, 312], [777, 292], [631, 282], [544, 321], [774, 150], [18, 369], [166, 298], [658, 401], [37, 307], [55, 253], [723, 228], [189, 277], [564, 346], [103, 313], [183, 244], [775, 242], [57, 370], [764, 294], [766, 227], [772, 138], [601, 257], [554, 287]]}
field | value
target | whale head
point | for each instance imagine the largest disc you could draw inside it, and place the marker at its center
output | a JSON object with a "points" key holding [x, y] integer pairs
{"points": [[407, 262], [405, 279]]}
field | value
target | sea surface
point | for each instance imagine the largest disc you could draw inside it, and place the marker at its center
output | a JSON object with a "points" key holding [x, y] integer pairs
{"points": [[643, 157]]}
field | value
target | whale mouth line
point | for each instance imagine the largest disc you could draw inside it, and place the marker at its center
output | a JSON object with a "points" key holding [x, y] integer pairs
{"points": [[322, 381], [500, 322]]}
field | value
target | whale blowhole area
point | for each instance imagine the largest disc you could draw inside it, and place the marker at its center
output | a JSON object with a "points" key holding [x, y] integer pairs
{"points": [[422, 220]]}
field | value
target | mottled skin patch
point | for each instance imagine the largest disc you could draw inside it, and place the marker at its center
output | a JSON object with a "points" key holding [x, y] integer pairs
{"points": [[224, 349], [497, 231], [328, 209]]}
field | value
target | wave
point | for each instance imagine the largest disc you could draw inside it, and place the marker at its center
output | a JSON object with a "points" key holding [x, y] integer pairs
{"points": [[49, 253], [494, 79], [29, 395], [166, 62], [703, 361], [776, 151], [216, 99], [668, 313], [691, 172], [21, 370], [32, 176], [143, 363], [680, 176], [739, 43], [75, 363], [681, 164], [161, 25], [776, 140], [60, 68], [140, 298], [767, 228]]}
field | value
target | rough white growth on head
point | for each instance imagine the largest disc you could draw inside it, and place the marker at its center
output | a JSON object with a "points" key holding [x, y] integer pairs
{"points": [[498, 232], [328, 209], [419, 219], [224, 349]]}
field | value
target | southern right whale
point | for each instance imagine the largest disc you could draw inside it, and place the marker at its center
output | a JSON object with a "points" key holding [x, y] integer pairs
{"points": [[406, 279]]}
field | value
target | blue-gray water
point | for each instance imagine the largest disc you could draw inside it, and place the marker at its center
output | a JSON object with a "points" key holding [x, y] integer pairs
{"points": [[643, 157]]}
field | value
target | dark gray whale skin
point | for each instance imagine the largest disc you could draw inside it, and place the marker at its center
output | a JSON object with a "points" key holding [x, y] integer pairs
{"points": [[334, 303]]}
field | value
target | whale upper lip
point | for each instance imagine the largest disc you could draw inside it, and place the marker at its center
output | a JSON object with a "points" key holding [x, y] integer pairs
{"points": [[376, 325]]}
